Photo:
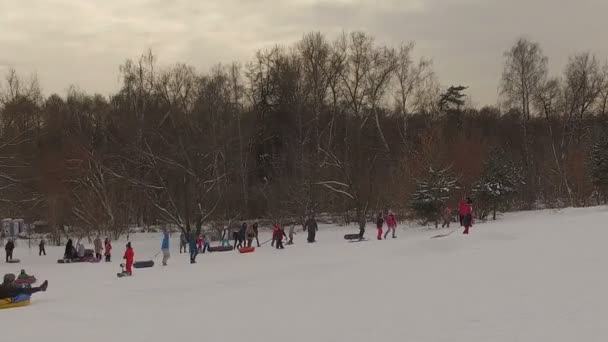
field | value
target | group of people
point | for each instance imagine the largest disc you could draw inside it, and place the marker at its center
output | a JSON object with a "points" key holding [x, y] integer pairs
{"points": [[465, 213], [391, 224], [78, 252], [192, 244]]}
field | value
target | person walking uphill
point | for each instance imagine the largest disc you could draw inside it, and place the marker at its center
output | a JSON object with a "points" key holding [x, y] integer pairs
{"points": [[164, 247], [98, 247], [129, 257], [379, 224], [8, 248], [312, 228]]}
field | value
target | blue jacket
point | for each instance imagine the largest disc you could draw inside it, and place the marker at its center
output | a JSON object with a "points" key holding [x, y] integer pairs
{"points": [[165, 244]]}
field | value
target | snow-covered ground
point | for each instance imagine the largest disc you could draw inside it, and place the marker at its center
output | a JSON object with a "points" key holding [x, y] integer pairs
{"points": [[535, 276]]}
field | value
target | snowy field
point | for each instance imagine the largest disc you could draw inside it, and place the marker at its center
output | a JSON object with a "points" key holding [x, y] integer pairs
{"points": [[535, 276]]}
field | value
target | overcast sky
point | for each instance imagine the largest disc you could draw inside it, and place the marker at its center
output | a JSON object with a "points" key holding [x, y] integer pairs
{"points": [[83, 42]]}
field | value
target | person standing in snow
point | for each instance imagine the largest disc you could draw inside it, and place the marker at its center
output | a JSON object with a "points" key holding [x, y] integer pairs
{"points": [[256, 232], [80, 250], [277, 234], [467, 212], [463, 208], [108, 252], [312, 228], [129, 257], [250, 232], [391, 223], [199, 243], [447, 217], [206, 243], [379, 224], [241, 235], [182, 243], [291, 233], [98, 247], [41, 247], [193, 248], [9, 248], [164, 247]]}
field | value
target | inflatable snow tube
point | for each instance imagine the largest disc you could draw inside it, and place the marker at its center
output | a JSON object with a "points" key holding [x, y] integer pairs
{"points": [[351, 236], [26, 281], [14, 302], [246, 249], [220, 249], [143, 264], [89, 253], [14, 261]]}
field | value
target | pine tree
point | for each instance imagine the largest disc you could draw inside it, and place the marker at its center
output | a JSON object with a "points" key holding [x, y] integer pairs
{"points": [[599, 167], [432, 194], [499, 182]]}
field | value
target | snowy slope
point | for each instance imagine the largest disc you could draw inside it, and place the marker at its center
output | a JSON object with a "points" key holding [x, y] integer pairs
{"points": [[537, 276]]}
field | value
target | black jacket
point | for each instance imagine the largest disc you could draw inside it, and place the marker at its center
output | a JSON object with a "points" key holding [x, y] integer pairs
{"points": [[9, 246]]}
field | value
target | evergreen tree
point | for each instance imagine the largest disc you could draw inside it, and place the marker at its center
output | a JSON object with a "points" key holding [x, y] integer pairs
{"points": [[499, 182], [432, 194], [453, 98], [599, 167]]}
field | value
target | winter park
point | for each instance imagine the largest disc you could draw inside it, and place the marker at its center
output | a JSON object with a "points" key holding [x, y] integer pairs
{"points": [[303, 171]]}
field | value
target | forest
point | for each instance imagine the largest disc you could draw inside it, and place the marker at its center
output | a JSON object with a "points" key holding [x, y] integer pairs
{"points": [[341, 126]]}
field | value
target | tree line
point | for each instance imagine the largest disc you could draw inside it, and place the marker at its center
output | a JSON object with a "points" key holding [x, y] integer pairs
{"points": [[345, 126]]}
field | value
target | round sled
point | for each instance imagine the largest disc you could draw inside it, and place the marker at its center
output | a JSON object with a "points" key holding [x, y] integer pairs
{"points": [[14, 302], [143, 264], [14, 261], [26, 281], [220, 248], [246, 249], [352, 236]]}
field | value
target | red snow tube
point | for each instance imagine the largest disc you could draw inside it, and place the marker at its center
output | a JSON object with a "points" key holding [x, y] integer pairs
{"points": [[246, 249], [25, 281]]}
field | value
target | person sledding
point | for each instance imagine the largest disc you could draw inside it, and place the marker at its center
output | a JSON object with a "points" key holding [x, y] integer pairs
{"points": [[9, 289], [467, 213], [129, 257], [277, 235]]}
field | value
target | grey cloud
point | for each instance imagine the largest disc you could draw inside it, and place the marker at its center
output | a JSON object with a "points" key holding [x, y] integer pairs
{"points": [[84, 42]]}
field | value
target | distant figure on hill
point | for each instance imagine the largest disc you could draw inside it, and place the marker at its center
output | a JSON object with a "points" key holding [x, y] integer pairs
{"points": [[9, 248]]}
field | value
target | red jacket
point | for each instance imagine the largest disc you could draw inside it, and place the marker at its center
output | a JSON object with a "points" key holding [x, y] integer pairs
{"points": [[391, 221], [277, 232], [129, 256], [108, 248], [464, 207]]}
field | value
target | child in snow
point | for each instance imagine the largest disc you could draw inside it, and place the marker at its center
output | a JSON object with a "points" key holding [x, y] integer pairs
{"points": [[8, 248], [199, 243], [108, 253], [447, 217], [41, 248], [206, 244], [164, 247], [129, 256], [467, 212], [98, 247], [250, 232], [379, 224], [277, 234], [291, 233], [224, 239], [391, 223], [182, 242], [80, 250]]}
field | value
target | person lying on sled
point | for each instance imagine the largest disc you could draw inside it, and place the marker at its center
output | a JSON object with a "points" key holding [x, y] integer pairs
{"points": [[9, 289]]}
